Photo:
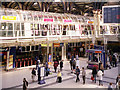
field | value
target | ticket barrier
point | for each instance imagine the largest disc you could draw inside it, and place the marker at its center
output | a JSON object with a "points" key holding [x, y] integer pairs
{"points": [[23, 62], [30, 61]]}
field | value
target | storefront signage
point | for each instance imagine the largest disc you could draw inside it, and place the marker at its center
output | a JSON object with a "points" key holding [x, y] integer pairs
{"points": [[56, 44], [49, 60], [48, 19], [67, 20], [8, 17], [98, 51], [90, 22], [45, 45]]}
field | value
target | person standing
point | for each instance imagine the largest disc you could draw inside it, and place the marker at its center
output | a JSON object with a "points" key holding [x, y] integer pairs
{"points": [[59, 78], [61, 65], [55, 65], [94, 73], [71, 64], [25, 84], [83, 74], [110, 86], [74, 64], [77, 74], [100, 75], [33, 74]]}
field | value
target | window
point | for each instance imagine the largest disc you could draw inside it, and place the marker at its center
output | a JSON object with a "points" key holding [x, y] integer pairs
{"points": [[10, 29]]}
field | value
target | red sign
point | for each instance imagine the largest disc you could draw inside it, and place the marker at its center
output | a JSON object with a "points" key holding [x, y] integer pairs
{"points": [[90, 22], [48, 19], [66, 20], [98, 51]]}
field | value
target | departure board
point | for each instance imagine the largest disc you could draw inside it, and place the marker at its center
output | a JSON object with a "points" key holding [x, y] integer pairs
{"points": [[111, 14]]}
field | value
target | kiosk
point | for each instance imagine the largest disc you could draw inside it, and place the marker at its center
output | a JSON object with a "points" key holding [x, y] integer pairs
{"points": [[41, 75], [94, 57]]}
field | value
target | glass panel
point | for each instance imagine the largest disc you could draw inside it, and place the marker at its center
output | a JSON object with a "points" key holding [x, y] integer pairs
{"points": [[24, 17], [3, 29], [10, 29], [35, 17], [22, 28], [29, 16]]}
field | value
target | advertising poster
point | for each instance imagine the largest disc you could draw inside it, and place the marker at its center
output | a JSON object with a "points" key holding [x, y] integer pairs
{"points": [[11, 62], [49, 60], [42, 71]]}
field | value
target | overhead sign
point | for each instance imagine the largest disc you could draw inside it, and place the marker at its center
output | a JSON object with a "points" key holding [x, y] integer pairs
{"points": [[8, 17], [48, 19], [67, 20], [111, 14]]}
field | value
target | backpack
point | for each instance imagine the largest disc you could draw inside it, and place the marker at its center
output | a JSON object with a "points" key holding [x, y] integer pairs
{"points": [[26, 83]]}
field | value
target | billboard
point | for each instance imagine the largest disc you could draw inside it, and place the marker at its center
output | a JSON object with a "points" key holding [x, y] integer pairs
{"points": [[111, 14]]}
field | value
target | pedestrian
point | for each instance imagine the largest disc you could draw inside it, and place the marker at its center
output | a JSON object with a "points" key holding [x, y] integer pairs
{"points": [[71, 64], [118, 82], [33, 74], [94, 73], [59, 77], [61, 65], [77, 57], [100, 75], [25, 84], [102, 68], [55, 65], [37, 63], [110, 86], [74, 64], [110, 60], [77, 74], [114, 61], [72, 58], [47, 71], [83, 74]]}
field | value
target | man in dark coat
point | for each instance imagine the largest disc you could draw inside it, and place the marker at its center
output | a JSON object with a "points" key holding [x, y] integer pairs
{"points": [[77, 73], [25, 84], [94, 73], [61, 65]]}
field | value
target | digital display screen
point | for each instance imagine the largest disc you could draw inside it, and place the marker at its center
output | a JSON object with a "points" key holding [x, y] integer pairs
{"points": [[111, 14]]}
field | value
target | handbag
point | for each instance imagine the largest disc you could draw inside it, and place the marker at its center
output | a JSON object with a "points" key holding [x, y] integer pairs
{"points": [[92, 78]]}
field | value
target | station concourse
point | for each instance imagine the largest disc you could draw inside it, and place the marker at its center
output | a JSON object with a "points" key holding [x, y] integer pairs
{"points": [[41, 35]]}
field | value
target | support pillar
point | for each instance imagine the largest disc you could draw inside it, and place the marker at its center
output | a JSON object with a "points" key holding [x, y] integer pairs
{"points": [[52, 52], [85, 48], [64, 52], [47, 51], [7, 67]]}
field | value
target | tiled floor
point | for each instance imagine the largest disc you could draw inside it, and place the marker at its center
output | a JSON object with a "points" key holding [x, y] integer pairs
{"points": [[13, 79]]}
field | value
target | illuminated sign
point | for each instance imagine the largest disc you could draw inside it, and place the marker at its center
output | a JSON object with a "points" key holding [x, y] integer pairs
{"points": [[90, 22], [67, 20], [45, 45], [8, 17], [56, 44], [98, 51], [48, 19]]}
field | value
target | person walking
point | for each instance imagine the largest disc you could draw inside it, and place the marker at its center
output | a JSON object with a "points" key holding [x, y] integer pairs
{"points": [[100, 75], [71, 64], [118, 82], [77, 74], [61, 65], [55, 65], [74, 64], [94, 73], [59, 77], [25, 84], [83, 74], [33, 74]]}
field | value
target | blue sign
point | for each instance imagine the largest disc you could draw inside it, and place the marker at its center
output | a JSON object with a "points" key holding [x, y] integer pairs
{"points": [[111, 14]]}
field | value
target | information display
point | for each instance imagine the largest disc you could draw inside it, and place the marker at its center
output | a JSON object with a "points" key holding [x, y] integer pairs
{"points": [[111, 14]]}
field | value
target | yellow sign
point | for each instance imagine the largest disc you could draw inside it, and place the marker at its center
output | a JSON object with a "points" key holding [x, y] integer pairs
{"points": [[45, 45], [9, 17]]}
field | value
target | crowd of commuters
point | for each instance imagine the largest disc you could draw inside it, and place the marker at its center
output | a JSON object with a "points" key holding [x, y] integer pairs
{"points": [[97, 72]]}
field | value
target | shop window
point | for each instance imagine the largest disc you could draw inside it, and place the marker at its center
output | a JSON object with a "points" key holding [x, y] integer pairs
{"points": [[3, 29], [23, 49], [22, 28], [32, 48], [36, 47], [29, 16], [10, 29], [35, 18], [27, 48]]}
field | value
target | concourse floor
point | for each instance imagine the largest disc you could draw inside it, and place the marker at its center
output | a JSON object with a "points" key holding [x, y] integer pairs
{"points": [[13, 79]]}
